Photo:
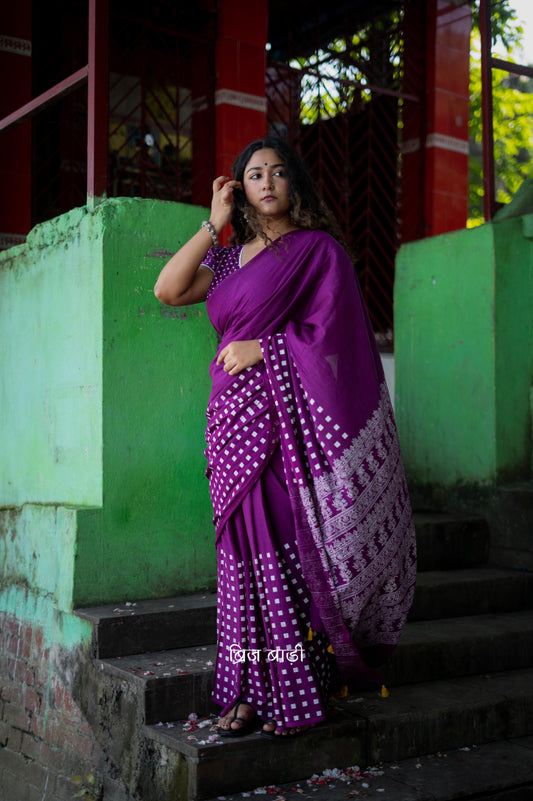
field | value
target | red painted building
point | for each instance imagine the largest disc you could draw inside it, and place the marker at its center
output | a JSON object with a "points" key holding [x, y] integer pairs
{"points": [[374, 95]]}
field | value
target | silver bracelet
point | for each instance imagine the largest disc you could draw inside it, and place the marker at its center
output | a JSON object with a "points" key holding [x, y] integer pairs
{"points": [[211, 230]]}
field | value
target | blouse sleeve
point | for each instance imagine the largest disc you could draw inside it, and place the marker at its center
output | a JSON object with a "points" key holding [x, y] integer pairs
{"points": [[212, 259]]}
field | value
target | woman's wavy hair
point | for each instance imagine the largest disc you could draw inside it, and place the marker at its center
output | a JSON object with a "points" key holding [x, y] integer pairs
{"points": [[307, 210]]}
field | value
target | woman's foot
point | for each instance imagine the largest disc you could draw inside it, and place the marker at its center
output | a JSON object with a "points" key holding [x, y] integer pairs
{"points": [[238, 722], [270, 730]]}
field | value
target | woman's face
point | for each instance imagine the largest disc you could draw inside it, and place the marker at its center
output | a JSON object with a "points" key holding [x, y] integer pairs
{"points": [[266, 185]]}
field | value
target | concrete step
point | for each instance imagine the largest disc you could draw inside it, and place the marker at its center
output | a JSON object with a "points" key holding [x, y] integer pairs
{"points": [[441, 649], [512, 526], [363, 729], [168, 685], [183, 621], [451, 542], [501, 771], [172, 684], [135, 627], [461, 674], [445, 542], [453, 593]]}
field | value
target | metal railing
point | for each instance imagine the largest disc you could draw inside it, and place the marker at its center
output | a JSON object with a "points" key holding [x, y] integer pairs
{"points": [[488, 63], [94, 73]]}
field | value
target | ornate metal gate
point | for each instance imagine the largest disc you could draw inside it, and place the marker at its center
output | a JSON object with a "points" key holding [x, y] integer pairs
{"points": [[161, 105], [338, 96], [161, 89]]}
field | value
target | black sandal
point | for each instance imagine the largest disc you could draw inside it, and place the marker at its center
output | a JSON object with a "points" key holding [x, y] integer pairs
{"points": [[247, 727]]}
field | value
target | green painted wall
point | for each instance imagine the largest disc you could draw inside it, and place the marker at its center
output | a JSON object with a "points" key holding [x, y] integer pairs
{"points": [[37, 549], [103, 394], [51, 364], [513, 247], [464, 356], [153, 536]]}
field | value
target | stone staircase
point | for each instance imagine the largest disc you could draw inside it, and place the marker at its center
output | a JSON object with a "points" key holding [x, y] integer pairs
{"points": [[462, 675]]}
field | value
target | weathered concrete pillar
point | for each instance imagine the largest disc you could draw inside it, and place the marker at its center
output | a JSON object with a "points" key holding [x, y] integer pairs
{"points": [[103, 410], [464, 355]]}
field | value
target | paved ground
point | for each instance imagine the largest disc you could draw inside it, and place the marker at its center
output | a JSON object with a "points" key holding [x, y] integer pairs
{"points": [[492, 771]]}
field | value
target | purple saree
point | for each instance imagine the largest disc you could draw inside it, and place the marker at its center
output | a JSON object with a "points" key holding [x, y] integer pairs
{"points": [[339, 512]]}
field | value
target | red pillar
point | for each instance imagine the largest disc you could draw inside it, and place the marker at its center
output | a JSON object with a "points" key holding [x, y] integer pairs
{"points": [[240, 103], [448, 71], [436, 151], [15, 144]]}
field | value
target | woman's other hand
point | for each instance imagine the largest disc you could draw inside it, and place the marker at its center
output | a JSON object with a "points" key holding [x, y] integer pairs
{"points": [[239, 355]]}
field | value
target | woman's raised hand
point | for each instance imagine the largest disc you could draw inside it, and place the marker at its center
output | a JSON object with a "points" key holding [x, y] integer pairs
{"points": [[222, 203]]}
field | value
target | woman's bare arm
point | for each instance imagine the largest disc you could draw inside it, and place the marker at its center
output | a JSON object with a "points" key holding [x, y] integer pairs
{"points": [[184, 280]]}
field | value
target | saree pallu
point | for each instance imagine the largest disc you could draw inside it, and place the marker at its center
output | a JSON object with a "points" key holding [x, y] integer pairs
{"points": [[320, 396]]}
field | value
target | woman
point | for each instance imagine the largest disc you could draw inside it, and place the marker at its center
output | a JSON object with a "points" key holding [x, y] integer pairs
{"points": [[314, 532]]}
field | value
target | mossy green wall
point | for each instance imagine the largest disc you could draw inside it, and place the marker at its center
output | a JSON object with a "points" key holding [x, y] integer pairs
{"points": [[464, 356], [513, 250], [103, 394], [51, 364], [154, 530]]}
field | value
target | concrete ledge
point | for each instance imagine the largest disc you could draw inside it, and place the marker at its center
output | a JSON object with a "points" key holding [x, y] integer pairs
{"points": [[363, 731], [501, 771]]}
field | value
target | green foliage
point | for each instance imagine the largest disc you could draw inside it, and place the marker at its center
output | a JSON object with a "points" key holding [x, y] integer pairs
{"points": [[88, 787], [503, 24], [340, 77], [512, 115], [335, 78]]}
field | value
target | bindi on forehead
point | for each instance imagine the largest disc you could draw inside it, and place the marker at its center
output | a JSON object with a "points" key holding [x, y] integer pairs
{"points": [[266, 164]]}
